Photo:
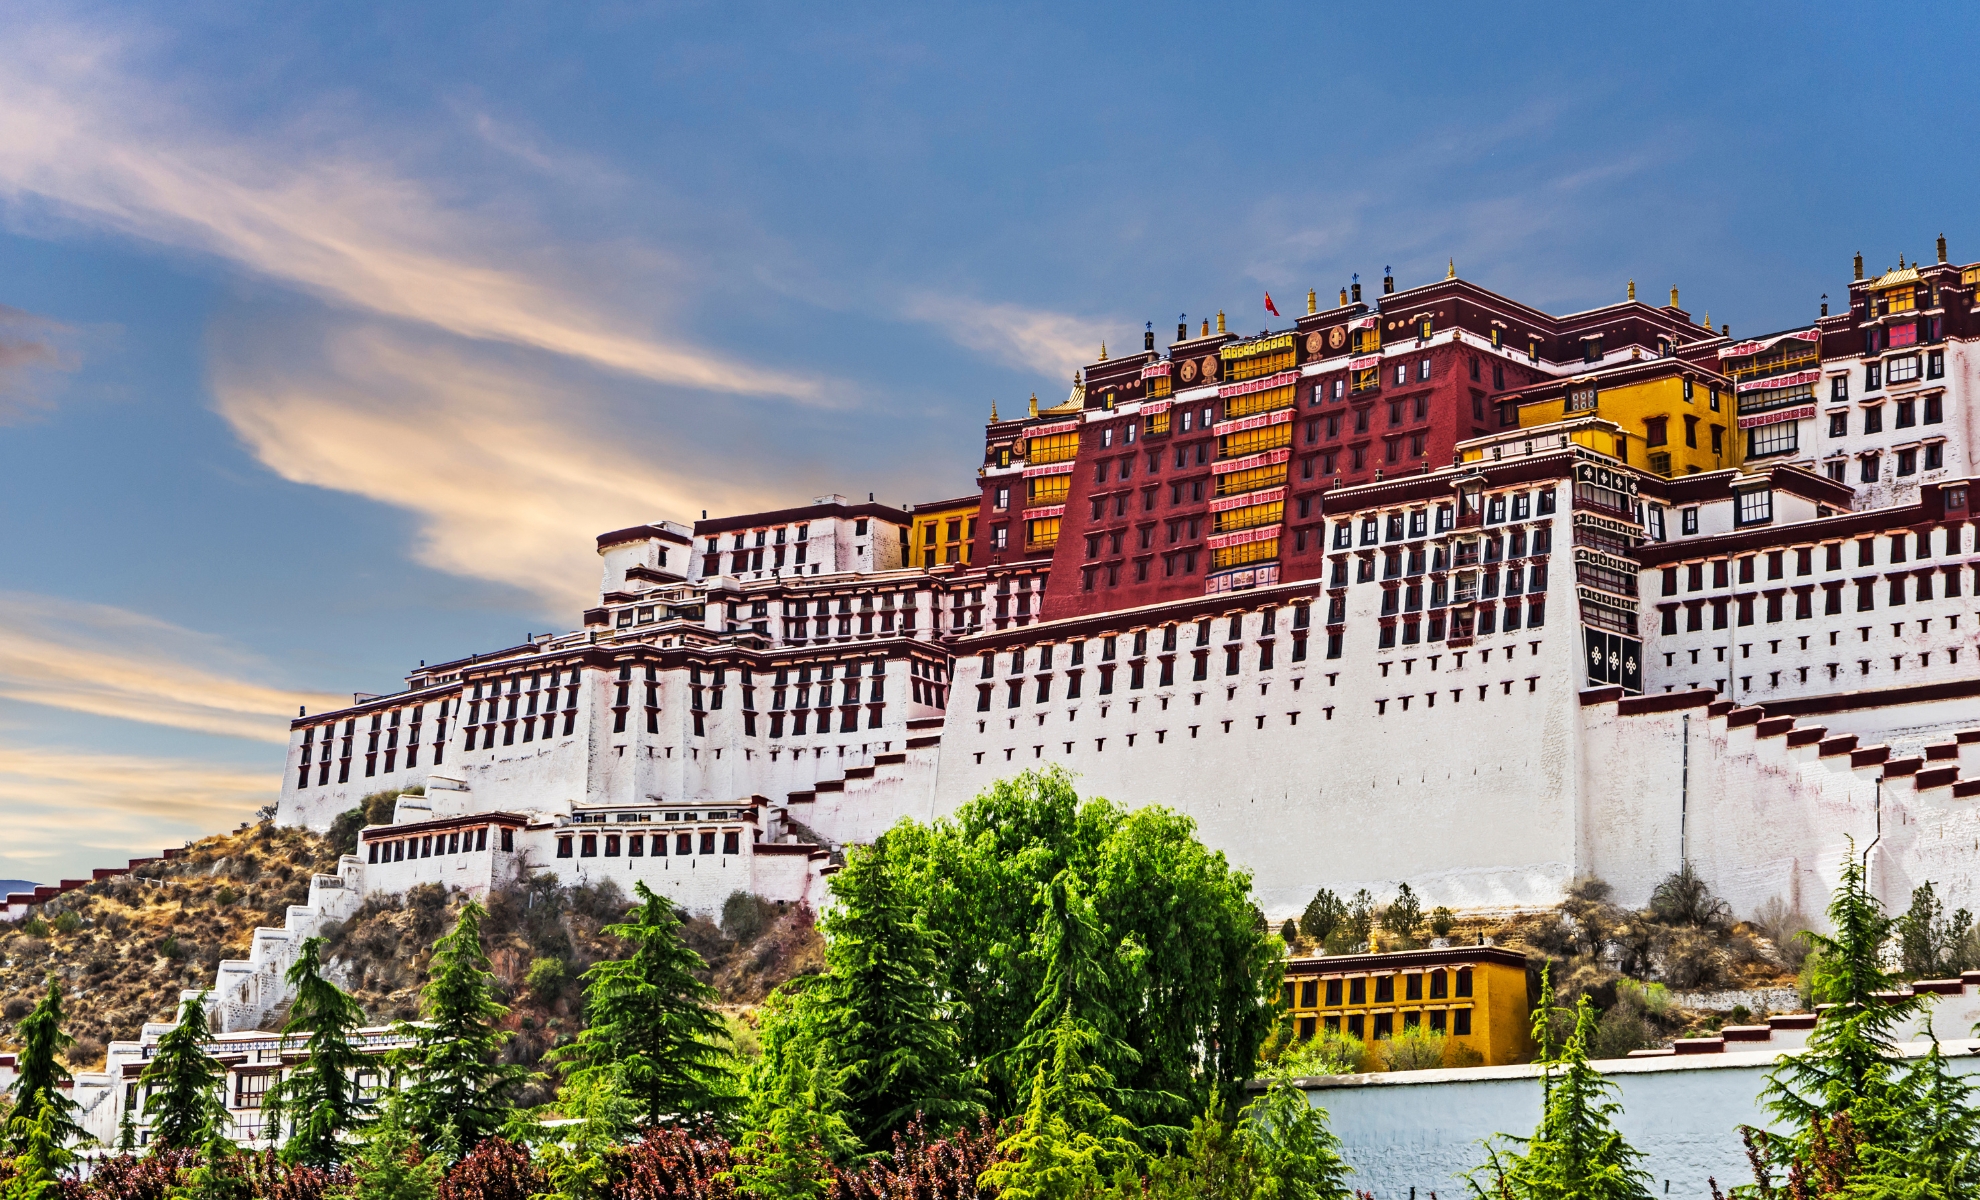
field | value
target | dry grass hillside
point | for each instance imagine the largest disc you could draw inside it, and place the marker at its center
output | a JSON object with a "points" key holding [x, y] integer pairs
{"points": [[124, 948]]}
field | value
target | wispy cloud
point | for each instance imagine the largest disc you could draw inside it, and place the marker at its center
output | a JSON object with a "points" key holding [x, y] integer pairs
{"points": [[70, 811], [31, 347], [1030, 338], [507, 476], [112, 662], [98, 147]]}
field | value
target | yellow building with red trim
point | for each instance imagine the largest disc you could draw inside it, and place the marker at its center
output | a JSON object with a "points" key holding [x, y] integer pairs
{"points": [[1474, 995], [1676, 418], [943, 531]]}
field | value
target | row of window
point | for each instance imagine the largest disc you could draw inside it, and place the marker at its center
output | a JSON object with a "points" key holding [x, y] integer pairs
{"points": [[1483, 621], [1404, 562], [1435, 984], [1455, 1021], [1901, 369], [634, 845], [1497, 509], [458, 841], [1905, 546], [382, 742], [1916, 586]]}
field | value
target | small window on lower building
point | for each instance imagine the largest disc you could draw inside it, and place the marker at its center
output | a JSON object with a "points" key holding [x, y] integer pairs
{"points": [[1461, 1022], [732, 843], [1356, 1025], [1464, 981], [509, 842], [563, 845], [611, 845], [1385, 1025], [1439, 1020], [1333, 993], [588, 846], [708, 841], [1306, 1028]]}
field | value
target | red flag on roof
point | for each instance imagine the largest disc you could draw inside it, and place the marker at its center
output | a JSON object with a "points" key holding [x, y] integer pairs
{"points": [[1269, 306]]}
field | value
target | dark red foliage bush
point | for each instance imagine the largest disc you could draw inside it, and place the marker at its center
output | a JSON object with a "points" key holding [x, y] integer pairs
{"points": [[673, 1164], [921, 1168], [130, 1177], [497, 1169]]}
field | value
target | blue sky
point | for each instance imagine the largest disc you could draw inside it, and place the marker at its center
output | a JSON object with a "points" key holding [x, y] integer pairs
{"points": [[330, 335]]}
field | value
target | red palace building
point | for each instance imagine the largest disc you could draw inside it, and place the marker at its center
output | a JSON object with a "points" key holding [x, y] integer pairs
{"points": [[1204, 470]]}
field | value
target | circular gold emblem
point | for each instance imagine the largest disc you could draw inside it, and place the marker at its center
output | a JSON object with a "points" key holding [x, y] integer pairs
{"points": [[1189, 371], [1209, 366], [1313, 342], [1336, 338]]}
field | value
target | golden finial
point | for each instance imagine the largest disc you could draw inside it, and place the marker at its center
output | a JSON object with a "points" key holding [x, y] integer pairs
{"points": [[1343, 297], [1312, 302], [1900, 262], [1450, 272], [993, 412], [1206, 328], [1103, 351], [1220, 320], [1708, 318], [1632, 289], [1034, 404], [1674, 297]]}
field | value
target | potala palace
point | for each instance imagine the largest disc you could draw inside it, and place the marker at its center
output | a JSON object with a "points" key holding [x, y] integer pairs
{"points": [[1430, 587]]}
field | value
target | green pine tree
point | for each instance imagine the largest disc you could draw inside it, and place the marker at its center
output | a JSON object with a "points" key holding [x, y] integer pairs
{"points": [[318, 1100], [877, 1009], [221, 1173], [1576, 1153], [1071, 1142], [1324, 914], [454, 1064], [1286, 1150], [1850, 1064], [40, 1074], [392, 1164], [43, 1155], [183, 1084], [799, 1134], [653, 1023], [127, 1138]]}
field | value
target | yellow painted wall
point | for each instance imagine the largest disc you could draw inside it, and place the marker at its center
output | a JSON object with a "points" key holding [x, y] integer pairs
{"points": [[932, 533], [1632, 405], [1499, 1015]]}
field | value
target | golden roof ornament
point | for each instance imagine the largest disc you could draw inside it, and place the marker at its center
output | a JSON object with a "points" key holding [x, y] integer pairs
{"points": [[1313, 298], [1077, 397], [993, 412], [1859, 264], [1450, 272], [1674, 297], [1632, 289], [1343, 297], [1103, 351], [1942, 247], [1206, 328], [1034, 405], [1220, 320]]}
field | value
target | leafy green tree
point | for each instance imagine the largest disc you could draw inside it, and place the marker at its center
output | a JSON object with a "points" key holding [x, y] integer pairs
{"points": [[599, 1115], [39, 1076], [221, 1172], [1360, 918], [876, 1013], [1576, 1153], [126, 1133], [799, 1135], [1197, 1011], [1070, 1142], [43, 1155], [653, 1023], [183, 1084], [393, 1165], [1404, 914], [1931, 944], [457, 1079], [1324, 914], [1289, 932], [318, 1100]]}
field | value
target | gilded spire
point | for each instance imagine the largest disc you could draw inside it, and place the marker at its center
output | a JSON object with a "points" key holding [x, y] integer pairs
{"points": [[993, 412], [1103, 351], [1313, 300], [1674, 297], [1632, 289], [1034, 404], [1343, 297], [1220, 320], [1450, 272], [1206, 328]]}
